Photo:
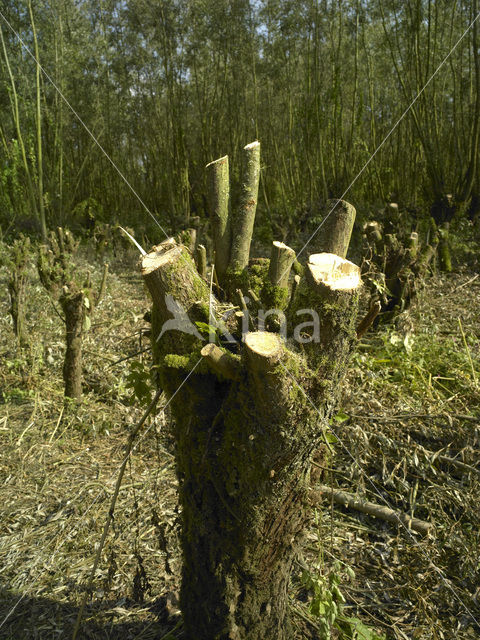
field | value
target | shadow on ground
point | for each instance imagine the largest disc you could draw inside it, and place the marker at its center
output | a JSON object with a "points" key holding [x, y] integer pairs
{"points": [[48, 619]]}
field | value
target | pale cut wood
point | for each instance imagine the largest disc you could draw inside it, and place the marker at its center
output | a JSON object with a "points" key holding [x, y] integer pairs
{"points": [[263, 349], [334, 272]]}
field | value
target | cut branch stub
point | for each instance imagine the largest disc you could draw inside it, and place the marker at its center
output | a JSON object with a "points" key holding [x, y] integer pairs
{"points": [[73, 306], [177, 288], [263, 350], [373, 233], [243, 217], [275, 287], [202, 261], [222, 362], [329, 295], [368, 320], [281, 260], [336, 230], [218, 204]]}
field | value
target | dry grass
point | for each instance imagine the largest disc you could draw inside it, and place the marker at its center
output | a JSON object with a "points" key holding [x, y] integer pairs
{"points": [[58, 469], [409, 586]]}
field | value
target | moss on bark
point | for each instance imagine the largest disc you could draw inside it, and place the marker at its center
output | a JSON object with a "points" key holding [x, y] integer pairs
{"points": [[244, 445]]}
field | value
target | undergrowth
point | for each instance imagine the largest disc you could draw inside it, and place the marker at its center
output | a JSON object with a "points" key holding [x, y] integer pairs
{"points": [[412, 397]]}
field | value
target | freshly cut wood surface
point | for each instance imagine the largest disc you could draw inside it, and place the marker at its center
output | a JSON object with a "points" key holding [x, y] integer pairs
{"points": [[336, 273]]}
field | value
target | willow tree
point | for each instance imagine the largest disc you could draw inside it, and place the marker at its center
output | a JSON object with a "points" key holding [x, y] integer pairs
{"points": [[250, 407]]}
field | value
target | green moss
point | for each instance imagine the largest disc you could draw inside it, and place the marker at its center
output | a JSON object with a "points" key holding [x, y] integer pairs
{"points": [[258, 274], [252, 277], [234, 280], [174, 361], [298, 269], [274, 297], [199, 286]]}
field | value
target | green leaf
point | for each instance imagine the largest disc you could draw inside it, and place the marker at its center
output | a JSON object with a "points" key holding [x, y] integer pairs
{"points": [[330, 438], [205, 328]]}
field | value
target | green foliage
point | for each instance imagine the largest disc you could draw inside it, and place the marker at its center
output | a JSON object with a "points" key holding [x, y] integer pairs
{"points": [[88, 212], [327, 602], [208, 331], [441, 365], [139, 381], [218, 74]]}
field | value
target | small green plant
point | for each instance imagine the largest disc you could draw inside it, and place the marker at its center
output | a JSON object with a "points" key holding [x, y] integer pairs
{"points": [[327, 599], [208, 330], [139, 381], [327, 603]]}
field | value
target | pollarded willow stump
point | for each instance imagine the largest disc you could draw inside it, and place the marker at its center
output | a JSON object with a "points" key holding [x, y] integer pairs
{"points": [[248, 420]]}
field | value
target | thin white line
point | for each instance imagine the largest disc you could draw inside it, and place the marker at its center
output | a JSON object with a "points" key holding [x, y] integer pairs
{"points": [[377, 492], [100, 492], [19, 38], [390, 133]]}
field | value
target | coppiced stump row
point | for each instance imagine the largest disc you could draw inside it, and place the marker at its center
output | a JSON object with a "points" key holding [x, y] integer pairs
{"points": [[247, 419]]}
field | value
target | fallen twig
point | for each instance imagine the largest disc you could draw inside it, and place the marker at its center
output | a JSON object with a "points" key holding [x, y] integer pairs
{"points": [[372, 509], [466, 283], [414, 416]]}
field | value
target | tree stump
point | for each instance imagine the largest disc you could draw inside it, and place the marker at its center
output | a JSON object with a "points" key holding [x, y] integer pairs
{"points": [[62, 279], [16, 259], [248, 420], [393, 266]]}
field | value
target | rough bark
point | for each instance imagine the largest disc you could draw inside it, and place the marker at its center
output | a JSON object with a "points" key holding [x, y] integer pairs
{"points": [[247, 425], [64, 282], [16, 259], [73, 305], [399, 263]]}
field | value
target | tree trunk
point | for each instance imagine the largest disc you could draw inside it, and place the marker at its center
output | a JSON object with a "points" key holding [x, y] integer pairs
{"points": [[248, 421], [16, 289], [73, 305]]}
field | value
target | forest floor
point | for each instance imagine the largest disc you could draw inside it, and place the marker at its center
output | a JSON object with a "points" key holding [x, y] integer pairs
{"points": [[412, 400]]}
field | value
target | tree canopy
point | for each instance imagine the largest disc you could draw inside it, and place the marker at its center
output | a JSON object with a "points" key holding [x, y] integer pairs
{"points": [[167, 87]]}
